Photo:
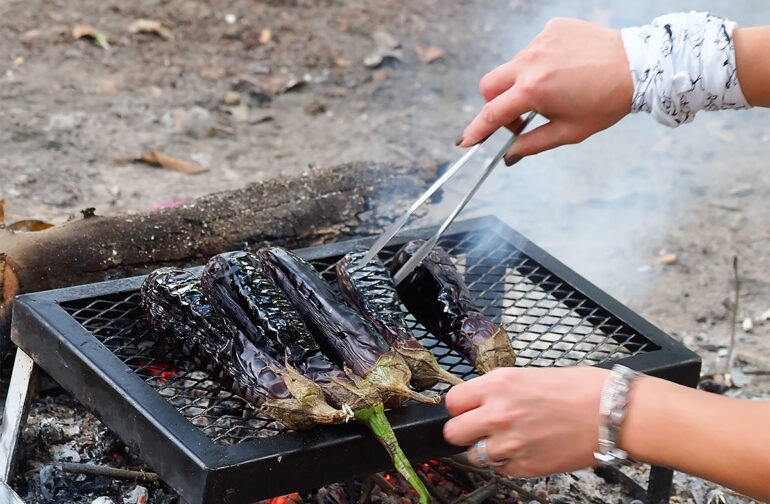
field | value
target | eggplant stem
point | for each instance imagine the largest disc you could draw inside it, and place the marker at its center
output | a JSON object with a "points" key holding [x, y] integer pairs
{"points": [[374, 418]]}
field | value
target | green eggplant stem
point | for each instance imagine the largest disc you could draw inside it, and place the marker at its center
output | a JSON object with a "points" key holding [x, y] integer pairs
{"points": [[374, 418]]}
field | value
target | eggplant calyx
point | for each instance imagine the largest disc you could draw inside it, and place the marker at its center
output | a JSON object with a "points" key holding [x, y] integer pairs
{"points": [[495, 352], [374, 418], [426, 371], [307, 405], [391, 377], [354, 393]]}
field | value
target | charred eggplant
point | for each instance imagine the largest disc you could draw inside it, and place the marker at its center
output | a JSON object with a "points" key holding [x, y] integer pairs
{"points": [[370, 290], [174, 306], [437, 296], [341, 332], [236, 285], [236, 282]]}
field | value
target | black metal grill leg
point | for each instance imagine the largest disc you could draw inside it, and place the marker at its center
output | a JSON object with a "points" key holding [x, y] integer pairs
{"points": [[659, 485]]}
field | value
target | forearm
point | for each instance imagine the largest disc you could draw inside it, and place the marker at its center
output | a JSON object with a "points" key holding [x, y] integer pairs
{"points": [[718, 438], [752, 59]]}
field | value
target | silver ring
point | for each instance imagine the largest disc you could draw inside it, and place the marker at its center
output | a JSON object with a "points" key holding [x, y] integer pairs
{"points": [[477, 454]]}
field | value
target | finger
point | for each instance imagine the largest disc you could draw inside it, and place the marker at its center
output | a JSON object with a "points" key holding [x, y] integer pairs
{"points": [[549, 135], [464, 397], [515, 126], [467, 428], [497, 113], [498, 80], [502, 448]]}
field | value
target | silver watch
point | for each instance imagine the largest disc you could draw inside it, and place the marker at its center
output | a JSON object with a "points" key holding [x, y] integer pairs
{"points": [[612, 409]]}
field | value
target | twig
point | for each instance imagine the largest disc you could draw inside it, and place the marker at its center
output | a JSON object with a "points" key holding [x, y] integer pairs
{"points": [[435, 492], [457, 462], [479, 495], [366, 490], [613, 475], [729, 363], [108, 472], [526, 494], [381, 482]]}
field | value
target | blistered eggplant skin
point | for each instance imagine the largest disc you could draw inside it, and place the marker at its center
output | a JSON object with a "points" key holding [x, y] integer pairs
{"points": [[369, 288], [174, 306], [341, 332], [437, 296], [237, 285]]}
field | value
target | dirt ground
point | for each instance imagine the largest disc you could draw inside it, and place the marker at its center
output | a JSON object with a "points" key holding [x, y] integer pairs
{"points": [[251, 90]]}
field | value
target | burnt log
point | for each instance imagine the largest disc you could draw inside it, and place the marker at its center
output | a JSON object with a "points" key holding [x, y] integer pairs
{"points": [[317, 206]]}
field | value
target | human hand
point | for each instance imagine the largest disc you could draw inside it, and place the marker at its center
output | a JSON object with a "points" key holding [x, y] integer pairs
{"points": [[574, 73], [542, 421]]}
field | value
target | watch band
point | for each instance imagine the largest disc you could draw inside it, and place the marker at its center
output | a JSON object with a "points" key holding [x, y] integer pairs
{"points": [[612, 408]]}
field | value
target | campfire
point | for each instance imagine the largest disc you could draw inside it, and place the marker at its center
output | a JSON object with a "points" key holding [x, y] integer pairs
{"points": [[211, 446]]}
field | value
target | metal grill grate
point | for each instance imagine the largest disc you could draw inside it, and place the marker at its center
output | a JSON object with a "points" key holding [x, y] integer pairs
{"points": [[551, 324]]}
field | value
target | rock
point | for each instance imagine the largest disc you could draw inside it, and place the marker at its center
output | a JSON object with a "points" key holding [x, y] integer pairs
{"points": [[139, 495], [65, 122], [196, 122], [747, 324], [231, 98], [47, 482], [722, 352], [739, 378]]}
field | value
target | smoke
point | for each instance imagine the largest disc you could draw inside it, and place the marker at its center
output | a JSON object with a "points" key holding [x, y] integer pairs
{"points": [[609, 206]]}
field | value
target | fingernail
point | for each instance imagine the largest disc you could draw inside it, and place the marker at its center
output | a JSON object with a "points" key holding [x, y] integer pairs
{"points": [[459, 140], [511, 159]]}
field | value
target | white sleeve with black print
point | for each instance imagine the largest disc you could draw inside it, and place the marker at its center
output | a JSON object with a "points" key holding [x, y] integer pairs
{"points": [[682, 63]]}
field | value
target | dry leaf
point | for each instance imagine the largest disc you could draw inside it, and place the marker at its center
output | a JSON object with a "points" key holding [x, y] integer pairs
{"points": [[341, 62], [265, 36], [2, 211], [30, 225], [171, 163], [213, 73], [87, 31], [278, 84], [666, 259], [150, 26], [428, 54]]}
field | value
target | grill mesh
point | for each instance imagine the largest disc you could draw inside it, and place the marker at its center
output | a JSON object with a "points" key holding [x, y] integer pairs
{"points": [[551, 325]]}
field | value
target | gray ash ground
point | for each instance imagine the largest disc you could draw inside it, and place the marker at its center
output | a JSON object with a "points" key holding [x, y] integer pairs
{"points": [[73, 115]]}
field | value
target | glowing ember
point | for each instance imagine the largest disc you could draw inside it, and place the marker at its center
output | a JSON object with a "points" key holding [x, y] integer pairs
{"points": [[284, 499], [150, 368]]}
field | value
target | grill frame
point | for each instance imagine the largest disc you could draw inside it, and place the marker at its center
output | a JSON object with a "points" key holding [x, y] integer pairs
{"points": [[203, 471]]}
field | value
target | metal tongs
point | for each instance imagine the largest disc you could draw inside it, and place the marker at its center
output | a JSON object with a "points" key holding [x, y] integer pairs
{"points": [[423, 251]]}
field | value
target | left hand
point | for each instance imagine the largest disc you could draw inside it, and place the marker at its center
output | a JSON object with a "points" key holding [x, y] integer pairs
{"points": [[542, 421]]}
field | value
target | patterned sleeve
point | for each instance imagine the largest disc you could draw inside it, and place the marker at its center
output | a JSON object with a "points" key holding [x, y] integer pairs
{"points": [[682, 63]]}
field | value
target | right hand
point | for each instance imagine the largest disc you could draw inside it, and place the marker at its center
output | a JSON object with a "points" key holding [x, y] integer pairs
{"points": [[574, 73]]}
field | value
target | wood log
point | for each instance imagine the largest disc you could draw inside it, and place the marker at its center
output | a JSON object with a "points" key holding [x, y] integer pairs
{"points": [[292, 211]]}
